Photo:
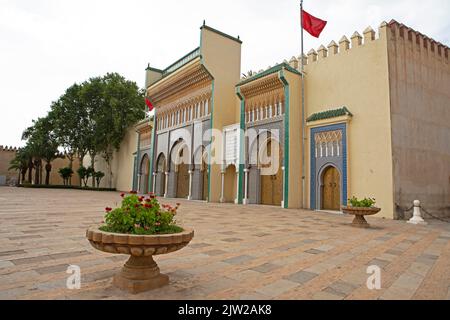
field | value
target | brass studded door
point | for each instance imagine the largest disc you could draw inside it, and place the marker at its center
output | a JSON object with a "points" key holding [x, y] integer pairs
{"points": [[272, 185], [331, 193], [272, 189], [183, 181]]}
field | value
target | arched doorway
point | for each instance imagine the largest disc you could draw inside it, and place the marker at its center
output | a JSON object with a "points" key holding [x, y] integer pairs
{"points": [[331, 189], [230, 184], [145, 174], [161, 168], [182, 169], [271, 173]]}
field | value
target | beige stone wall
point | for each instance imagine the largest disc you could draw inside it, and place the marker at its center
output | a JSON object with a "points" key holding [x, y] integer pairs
{"points": [[6, 155], [419, 75], [357, 77], [55, 178]]}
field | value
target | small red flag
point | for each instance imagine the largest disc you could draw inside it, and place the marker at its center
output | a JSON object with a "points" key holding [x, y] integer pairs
{"points": [[312, 24], [149, 104]]}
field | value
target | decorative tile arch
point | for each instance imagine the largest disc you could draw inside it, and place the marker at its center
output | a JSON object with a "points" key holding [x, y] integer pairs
{"points": [[321, 157]]}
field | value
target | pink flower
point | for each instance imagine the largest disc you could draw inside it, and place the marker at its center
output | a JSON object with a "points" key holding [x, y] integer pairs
{"points": [[137, 225], [157, 224]]}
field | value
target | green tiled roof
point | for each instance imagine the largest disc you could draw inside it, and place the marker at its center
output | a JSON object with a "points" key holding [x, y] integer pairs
{"points": [[329, 114], [267, 72]]}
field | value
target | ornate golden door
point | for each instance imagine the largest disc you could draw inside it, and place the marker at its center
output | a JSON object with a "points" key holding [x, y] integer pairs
{"points": [[205, 181], [272, 185], [183, 181], [331, 193]]}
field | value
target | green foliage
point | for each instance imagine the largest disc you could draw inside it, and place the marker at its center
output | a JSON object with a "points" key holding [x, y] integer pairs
{"points": [[141, 215], [94, 116], [66, 174], [85, 173], [20, 162], [91, 117], [42, 144], [36, 186], [98, 177], [364, 203]]}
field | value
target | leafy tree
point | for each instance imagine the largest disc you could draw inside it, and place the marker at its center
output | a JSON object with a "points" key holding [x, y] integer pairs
{"points": [[43, 145], [98, 177], [84, 174], [113, 104], [66, 174], [70, 119], [20, 164]]}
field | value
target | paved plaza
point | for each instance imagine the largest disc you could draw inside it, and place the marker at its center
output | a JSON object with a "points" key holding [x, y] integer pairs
{"points": [[239, 252]]}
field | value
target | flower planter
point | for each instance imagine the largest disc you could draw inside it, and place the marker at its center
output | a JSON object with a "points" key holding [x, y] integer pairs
{"points": [[359, 213], [140, 273]]}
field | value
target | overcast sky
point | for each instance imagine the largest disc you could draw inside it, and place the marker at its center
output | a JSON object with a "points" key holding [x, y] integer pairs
{"points": [[47, 45]]}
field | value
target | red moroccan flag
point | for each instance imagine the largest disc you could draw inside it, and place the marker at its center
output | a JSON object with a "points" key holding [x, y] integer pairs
{"points": [[149, 104], [312, 24]]}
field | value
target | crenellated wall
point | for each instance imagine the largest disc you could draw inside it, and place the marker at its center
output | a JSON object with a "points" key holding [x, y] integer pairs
{"points": [[354, 73], [6, 155], [419, 75]]}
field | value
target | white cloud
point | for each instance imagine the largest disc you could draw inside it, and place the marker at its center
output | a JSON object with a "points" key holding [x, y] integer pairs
{"points": [[46, 45]]}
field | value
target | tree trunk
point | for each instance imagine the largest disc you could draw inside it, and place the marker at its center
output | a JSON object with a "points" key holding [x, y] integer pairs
{"points": [[93, 169], [80, 164], [48, 169], [40, 171], [30, 170], [36, 172], [24, 172], [71, 158]]}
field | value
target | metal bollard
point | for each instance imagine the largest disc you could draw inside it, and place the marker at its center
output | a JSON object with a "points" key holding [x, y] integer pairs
{"points": [[417, 218]]}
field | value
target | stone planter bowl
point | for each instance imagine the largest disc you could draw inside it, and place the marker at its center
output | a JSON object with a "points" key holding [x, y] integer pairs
{"points": [[140, 273], [359, 213]]}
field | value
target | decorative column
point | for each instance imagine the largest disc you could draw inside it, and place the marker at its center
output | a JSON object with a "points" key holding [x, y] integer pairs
{"points": [[246, 172], [154, 182], [417, 218], [222, 191], [166, 186], [236, 201], [284, 187], [190, 184]]}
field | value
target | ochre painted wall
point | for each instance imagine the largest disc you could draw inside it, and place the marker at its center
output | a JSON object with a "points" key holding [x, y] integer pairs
{"points": [[358, 79], [222, 58], [295, 140], [419, 74], [6, 156]]}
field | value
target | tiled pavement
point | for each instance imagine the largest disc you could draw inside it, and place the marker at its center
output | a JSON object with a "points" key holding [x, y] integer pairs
{"points": [[238, 252]]}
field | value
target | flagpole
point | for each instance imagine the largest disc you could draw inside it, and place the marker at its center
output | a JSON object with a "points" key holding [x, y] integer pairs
{"points": [[303, 112]]}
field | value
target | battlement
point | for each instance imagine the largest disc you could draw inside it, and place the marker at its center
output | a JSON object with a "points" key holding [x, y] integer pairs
{"points": [[400, 32], [8, 149], [394, 30], [342, 46]]}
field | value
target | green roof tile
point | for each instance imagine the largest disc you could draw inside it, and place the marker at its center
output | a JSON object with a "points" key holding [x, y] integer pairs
{"points": [[329, 114], [267, 72]]}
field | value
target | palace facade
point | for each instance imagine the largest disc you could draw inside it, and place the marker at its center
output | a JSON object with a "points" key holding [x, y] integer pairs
{"points": [[376, 124]]}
